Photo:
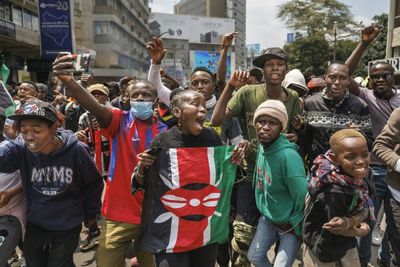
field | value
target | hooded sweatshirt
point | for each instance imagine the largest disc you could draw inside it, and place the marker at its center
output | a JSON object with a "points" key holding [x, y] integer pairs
{"points": [[61, 189], [281, 183], [296, 78]]}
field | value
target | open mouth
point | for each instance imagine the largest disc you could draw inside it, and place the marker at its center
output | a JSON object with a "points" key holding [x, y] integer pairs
{"points": [[201, 120], [31, 146]]}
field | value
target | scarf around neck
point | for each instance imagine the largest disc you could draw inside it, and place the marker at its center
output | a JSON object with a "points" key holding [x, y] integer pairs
{"points": [[324, 173]]}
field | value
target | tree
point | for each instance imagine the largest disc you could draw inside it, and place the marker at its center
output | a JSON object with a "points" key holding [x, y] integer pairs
{"points": [[317, 16], [309, 54]]}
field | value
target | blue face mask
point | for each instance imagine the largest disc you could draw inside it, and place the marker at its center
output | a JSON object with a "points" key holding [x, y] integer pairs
{"points": [[142, 110]]}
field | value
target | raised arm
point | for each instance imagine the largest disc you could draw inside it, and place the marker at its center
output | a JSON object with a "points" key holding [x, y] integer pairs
{"points": [[368, 34], [226, 43], [156, 51], [221, 111], [62, 67]]}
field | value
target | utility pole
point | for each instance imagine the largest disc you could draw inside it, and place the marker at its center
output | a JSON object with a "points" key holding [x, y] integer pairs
{"points": [[334, 41]]}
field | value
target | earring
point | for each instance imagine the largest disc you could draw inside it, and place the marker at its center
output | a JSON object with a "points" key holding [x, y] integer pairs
{"points": [[179, 123]]}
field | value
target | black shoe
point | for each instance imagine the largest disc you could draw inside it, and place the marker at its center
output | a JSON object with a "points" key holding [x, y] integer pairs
{"points": [[91, 241]]}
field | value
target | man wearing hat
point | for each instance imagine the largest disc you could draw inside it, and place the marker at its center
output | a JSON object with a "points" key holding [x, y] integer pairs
{"points": [[243, 104], [280, 188], [60, 181]]}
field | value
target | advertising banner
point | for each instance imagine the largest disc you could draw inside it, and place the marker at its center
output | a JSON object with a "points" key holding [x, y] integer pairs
{"points": [[55, 27], [209, 59], [192, 28]]}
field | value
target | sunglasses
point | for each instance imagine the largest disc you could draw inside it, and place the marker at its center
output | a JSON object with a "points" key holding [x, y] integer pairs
{"points": [[378, 76]]}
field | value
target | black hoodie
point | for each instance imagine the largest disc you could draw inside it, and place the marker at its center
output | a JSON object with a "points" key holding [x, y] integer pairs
{"points": [[62, 189]]}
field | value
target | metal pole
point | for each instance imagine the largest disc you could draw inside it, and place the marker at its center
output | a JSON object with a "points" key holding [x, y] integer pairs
{"points": [[334, 42]]}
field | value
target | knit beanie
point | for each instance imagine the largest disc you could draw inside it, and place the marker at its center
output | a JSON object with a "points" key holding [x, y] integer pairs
{"points": [[273, 108]]}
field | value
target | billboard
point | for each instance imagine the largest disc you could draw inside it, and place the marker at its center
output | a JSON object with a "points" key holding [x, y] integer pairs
{"points": [[253, 48], [192, 28], [55, 27], [209, 59]]}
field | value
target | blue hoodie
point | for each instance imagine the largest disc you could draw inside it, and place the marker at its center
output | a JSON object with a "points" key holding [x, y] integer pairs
{"points": [[61, 189]]}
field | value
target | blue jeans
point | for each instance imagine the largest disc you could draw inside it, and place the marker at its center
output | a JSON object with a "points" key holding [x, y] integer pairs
{"points": [[266, 235], [382, 195]]}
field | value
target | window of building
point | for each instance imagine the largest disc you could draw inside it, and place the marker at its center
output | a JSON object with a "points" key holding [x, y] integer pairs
{"points": [[35, 23], [101, 27], [27, 19], [5, 11], [101, 2], [17, 15]]}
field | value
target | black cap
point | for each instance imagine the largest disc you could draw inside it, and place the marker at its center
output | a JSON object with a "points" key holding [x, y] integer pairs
{"points": [[36, 109], [273, 52]]}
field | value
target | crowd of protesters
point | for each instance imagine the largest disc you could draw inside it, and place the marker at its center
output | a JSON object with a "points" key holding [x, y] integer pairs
{"points": [[317, 158]]}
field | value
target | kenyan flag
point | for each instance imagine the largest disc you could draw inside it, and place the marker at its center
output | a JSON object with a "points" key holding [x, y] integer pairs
{"points": [[6, 101], [194, 205]]}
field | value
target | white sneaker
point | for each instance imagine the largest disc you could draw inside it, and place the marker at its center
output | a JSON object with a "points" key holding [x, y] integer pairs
{"points": [[376, 237]]}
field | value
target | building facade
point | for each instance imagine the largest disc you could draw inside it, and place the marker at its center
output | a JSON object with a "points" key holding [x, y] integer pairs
{"points": [[117, 30], [393, 37], [19, 35], [234, 9], [191, 41]]}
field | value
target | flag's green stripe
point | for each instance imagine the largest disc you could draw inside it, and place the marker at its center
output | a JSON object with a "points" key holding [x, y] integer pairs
{"points": [[10, 110], [225, 175]]}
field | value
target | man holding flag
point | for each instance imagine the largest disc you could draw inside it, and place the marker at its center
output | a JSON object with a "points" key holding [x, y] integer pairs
{"points": [[188, 178]]}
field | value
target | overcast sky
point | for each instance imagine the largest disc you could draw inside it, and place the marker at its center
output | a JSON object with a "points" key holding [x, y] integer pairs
{"points": [[263, 27]]}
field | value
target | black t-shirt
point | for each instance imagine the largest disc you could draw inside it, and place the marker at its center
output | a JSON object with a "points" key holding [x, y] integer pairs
{"points": [[152, 237], [332, 201]]}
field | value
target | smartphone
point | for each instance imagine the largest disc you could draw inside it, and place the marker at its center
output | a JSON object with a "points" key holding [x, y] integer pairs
{"points": [[81, 63]]}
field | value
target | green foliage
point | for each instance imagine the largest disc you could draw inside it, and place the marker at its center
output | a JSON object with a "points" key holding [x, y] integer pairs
{"points": [[316, 16], [309, 54]]}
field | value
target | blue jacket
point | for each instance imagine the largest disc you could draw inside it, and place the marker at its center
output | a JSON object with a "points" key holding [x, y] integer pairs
{"points": [[61, 189]]}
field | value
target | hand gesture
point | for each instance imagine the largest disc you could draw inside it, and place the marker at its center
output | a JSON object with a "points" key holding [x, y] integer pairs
{"points": [[81, 135], [63, 66], [146, 159], [240, 152], [368, 34], [156, 50], [239, 78], [336, 225], [297, 122], [228, 39]]}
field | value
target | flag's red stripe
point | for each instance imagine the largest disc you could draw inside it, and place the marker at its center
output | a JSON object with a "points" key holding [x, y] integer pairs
{"points": [[195, 170], [193, 166], [190, 235]]}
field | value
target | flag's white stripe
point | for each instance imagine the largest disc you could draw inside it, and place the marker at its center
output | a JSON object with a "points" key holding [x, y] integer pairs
{"points": [[207, 232], [211, 164], [174, 233], [174, 171]]}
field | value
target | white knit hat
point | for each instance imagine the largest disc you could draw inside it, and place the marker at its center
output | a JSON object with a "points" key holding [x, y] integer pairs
{"points": [[273, 108]]}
